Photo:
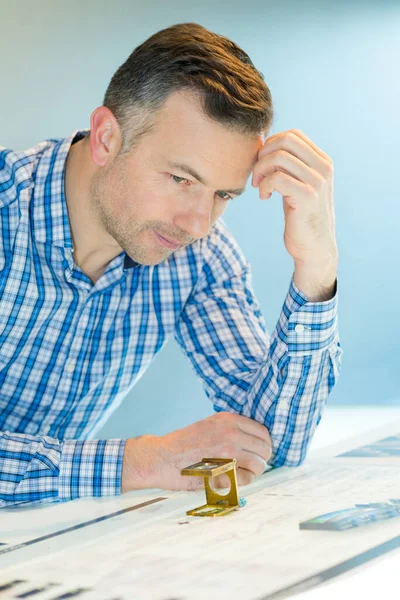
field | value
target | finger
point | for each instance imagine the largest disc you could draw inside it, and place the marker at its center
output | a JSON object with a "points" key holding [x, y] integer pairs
{"points": [[243, 477], [255, 445], [295, 191], [251, 462], [299, 139], [306, 139], [253, 427], [285, 162], [297, 147]]}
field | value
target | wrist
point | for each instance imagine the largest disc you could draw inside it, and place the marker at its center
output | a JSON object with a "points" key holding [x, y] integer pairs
{"points": [[317, 282], [140, 463]]}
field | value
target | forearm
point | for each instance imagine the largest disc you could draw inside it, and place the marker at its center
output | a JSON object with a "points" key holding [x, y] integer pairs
{"points": [[36, 469], [304, 359], [286, 388], [294, 403]]}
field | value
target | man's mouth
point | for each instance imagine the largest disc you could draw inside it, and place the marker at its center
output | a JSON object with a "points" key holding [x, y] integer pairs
{"points": [[172, 244]]}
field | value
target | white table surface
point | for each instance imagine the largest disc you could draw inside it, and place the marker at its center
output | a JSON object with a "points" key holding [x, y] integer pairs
{"points": [[341, 422], [338, 423]]}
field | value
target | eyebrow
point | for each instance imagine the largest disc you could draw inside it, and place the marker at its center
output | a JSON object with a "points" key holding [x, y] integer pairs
{"points": [[186, 169]]}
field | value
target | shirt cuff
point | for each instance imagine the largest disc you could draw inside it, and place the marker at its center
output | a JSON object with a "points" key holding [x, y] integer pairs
{"points": [[90, 468], [305, 326]]}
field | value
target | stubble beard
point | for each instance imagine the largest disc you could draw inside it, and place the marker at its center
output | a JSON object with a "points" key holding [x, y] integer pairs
{"points": [[126, 232]]}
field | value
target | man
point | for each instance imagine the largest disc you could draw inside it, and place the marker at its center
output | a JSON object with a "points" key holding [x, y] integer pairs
{"points": [[112, 241]]}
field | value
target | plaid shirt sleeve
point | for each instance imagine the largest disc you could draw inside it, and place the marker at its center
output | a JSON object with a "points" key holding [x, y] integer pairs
{"points": [[281, 380], [38, 469]]}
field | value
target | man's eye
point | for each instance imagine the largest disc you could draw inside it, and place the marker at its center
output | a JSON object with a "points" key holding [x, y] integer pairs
{"points": [[224, 196], [178, 179]]}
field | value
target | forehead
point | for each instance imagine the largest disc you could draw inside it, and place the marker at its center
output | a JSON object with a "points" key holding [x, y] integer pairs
{"points": [[183, 133]]}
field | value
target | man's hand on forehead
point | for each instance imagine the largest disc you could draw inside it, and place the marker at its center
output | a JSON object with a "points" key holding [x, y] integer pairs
{"points": [[291, 164]]}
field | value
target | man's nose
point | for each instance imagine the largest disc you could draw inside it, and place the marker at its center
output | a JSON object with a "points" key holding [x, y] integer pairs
{"points": [[195, 218]]}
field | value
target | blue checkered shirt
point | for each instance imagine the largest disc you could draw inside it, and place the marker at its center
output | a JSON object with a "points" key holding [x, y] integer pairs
{"points": [[71, 350]]}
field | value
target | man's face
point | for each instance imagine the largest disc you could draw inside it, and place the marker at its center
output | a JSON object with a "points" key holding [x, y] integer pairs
{"points": [[149, 191]]}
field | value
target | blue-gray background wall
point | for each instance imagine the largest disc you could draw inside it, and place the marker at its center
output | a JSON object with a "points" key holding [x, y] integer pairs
{"points": [[332, 68]]}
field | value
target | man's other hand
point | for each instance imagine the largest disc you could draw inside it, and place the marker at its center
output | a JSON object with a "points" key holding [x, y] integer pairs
{"points": [[156, 462]]}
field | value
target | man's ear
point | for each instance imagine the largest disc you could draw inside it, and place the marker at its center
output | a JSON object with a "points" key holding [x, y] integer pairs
{"points": [[105, 136]]}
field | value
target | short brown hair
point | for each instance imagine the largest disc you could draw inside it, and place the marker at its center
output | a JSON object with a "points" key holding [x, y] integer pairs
{"points": [[189, 56]]}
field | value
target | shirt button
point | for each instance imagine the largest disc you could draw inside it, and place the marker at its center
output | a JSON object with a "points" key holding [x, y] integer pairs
{"points": [[299, 328], [69, 367]]}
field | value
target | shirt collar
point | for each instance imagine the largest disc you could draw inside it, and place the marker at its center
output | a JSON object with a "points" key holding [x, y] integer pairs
{"points": [[129, 263], [50, 214]]}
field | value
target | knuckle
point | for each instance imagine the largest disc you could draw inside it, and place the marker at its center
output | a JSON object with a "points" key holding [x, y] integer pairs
{"points": [[217, 416], [230, 438], [219, 421], [225, 416], [279, 177], [228, 427], [290, 135], [282, 154], [227, 451]]}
